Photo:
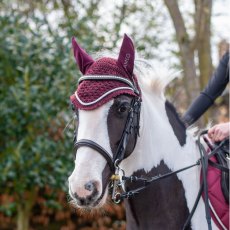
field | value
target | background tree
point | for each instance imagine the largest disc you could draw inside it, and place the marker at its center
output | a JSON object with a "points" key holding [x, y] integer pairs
{"points": [[190, 45]]}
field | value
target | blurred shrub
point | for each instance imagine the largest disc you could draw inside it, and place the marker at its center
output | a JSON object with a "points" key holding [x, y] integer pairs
{"points": [[37, 74], [36, 77], [45, 217]]}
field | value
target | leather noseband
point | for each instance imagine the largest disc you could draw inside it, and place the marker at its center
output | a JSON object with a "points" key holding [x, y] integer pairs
{"points": [[98, 148]]}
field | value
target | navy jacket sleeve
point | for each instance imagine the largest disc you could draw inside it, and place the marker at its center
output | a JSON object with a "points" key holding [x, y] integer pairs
{"points": [[214, 88]]}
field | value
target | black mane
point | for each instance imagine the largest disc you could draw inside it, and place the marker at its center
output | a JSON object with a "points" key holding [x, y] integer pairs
{"points": [[178, 126]]}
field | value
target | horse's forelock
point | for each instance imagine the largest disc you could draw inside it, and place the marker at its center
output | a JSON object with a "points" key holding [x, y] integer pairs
{"points": [[154, 78]]}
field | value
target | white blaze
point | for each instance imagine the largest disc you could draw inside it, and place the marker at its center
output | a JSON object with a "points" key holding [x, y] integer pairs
{"points": [[89, 164]]}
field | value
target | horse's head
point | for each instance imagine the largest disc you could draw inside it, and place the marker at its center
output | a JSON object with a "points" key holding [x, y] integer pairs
{"points": [[107, 103]]}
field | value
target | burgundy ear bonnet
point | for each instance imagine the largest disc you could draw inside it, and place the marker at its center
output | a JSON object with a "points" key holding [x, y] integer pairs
{"points": [[105, 78]]}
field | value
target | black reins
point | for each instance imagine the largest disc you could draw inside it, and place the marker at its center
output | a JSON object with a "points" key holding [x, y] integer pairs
{"points": [[148, 181], [203, 161]]}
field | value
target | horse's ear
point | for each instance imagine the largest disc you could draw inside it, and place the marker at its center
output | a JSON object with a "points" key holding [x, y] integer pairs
{"points": [[83, 60], [127, 55]]}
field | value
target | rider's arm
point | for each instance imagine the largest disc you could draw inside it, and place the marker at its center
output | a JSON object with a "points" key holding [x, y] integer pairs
{"points": [[215, 87]]}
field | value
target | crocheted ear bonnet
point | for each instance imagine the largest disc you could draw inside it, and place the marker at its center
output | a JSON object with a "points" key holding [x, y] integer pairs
{"points": [[105, 78]]}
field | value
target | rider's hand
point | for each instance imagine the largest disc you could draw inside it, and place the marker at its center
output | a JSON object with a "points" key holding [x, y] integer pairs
{"points": [[219, 132]]}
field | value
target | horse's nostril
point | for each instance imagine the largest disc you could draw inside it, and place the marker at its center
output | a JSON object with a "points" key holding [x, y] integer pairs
{"points": [[82, 201], [90, 186], [86, 194], [75, 195]]}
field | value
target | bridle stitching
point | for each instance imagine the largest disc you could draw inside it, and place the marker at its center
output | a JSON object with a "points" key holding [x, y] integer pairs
{"points": [[132, 86], [102, 96]]}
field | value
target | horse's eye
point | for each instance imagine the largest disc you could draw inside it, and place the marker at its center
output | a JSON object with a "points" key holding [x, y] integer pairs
{"points": [[122, 108]]}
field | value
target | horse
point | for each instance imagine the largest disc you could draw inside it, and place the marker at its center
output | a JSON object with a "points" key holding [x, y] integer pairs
{"points": [[126, 125]]}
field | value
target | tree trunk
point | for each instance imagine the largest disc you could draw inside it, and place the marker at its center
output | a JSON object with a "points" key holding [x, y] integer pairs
{"points": [[24, 207], [200, 43], [191, 80], [186, 50], [203, 42], [203, 23]]}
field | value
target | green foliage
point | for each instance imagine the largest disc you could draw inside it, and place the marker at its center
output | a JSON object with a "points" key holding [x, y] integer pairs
{"points": [[8, 209], [36, 76]]}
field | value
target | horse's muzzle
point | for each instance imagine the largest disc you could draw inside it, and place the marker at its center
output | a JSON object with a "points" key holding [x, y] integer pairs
{"points": [[85, 196]]}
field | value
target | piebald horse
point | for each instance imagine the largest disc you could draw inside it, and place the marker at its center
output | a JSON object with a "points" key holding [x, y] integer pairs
{"points": [[157, 143]]}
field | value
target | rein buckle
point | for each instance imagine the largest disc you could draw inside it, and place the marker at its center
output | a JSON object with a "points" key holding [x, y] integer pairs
{"points": [[117, 183]]}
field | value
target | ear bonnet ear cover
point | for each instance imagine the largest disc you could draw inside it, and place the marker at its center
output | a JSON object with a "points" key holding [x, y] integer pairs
{"points": [[93, 93]]}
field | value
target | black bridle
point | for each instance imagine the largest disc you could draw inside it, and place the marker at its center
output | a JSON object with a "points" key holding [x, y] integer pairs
{"points": [[93, 145], [130, 127]]}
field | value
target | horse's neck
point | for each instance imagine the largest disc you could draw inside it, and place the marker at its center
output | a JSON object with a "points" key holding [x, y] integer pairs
{"points": [[150, 208], [158, 151], [158, 141]]}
